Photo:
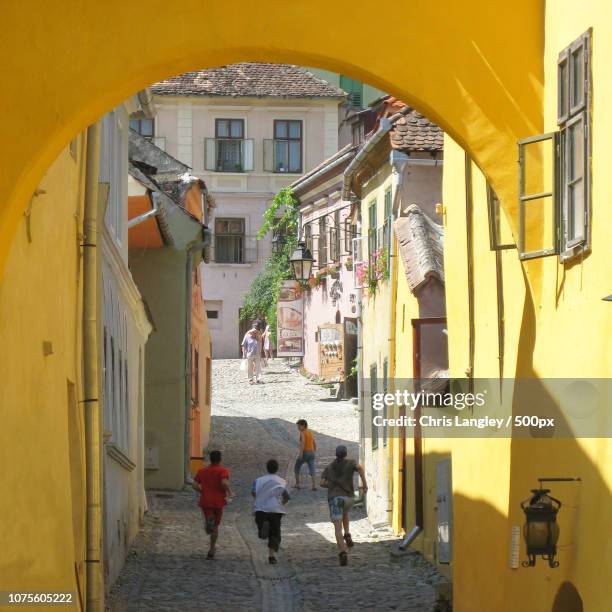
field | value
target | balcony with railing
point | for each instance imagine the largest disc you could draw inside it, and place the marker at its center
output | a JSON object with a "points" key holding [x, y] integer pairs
{"points": [[283, 156], [228, 154], [233, 249]]}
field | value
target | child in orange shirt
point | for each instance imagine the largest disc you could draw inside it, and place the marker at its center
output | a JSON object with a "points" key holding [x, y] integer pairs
{"points": [[308, 447]]}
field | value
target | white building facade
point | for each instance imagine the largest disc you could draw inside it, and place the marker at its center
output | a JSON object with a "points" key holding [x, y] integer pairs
{"points": [[248, 130], [126, 328]]}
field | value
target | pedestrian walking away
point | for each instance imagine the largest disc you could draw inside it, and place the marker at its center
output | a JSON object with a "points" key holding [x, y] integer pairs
{"points": [[337, 477], [308, 448], [251, 350], [212, 482], [270, 493]]}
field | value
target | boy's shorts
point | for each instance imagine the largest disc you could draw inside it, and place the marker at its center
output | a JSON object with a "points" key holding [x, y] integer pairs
{"points": [[309, 458], [338, 506], [216, 513]]}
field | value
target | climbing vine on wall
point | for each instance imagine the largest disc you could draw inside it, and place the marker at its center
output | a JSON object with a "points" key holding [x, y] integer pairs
{"points": [[280, 220]]}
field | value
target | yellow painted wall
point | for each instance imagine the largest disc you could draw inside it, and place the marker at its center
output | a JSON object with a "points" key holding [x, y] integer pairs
{"points": [[480, 467], [376, 317], [42, 505], [556, 325], [566, 333], [471, 86]]}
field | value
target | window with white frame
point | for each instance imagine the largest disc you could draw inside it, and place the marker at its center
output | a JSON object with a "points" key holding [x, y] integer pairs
{"points": [[116, 371], [334, 238], [229, 150], [555, 168], [113, 171], [230, 241]]}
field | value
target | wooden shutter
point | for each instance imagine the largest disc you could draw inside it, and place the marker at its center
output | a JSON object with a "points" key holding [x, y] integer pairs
{"points": [[538, 199], [247, 155]]}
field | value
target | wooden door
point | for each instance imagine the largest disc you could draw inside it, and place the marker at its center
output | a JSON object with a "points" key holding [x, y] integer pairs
{"points": [[350, 354]]}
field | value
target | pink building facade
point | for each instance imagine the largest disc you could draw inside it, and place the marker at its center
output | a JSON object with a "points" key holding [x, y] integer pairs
{"points": [[330, 305]]}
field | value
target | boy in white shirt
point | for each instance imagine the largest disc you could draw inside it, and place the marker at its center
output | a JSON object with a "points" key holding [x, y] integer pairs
{"points": [[270, 493]]}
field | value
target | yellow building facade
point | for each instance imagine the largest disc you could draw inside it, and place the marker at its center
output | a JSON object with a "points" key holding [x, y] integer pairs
{"points": [[541, 318], [484, 96], [42, 447]]}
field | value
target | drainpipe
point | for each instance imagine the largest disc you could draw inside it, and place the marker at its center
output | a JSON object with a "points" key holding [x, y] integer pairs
{"points": [[360, 405], [469, 219], [91, 389], [146, 101], [398, 162], [150, 213], [191, 250], [398, 178], [386, 123]]}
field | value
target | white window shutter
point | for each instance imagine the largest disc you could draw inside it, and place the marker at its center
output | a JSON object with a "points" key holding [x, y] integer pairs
{"points": [[268, 152], [359, 259], [210, 149], [248, 155]]}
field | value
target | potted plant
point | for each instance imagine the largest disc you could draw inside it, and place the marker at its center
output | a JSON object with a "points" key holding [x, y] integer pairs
{"points": [[312, 282], [348, 263], [333, 271]]}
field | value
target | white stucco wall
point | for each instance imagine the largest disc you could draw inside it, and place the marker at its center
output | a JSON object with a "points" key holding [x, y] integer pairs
{"points": [[126, 328]]}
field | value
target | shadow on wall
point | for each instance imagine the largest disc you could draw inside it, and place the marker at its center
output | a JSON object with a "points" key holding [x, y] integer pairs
{"points": [[583, 573], [567, 599]]}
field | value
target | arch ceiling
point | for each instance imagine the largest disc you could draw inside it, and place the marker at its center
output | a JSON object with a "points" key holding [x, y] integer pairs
{"points": [[473, 66]]}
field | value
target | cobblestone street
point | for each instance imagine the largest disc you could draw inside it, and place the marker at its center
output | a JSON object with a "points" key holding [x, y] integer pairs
{"points": [[167, 569]]}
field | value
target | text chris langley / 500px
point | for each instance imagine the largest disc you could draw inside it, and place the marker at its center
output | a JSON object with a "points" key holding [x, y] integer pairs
{"points": [[429, 421]]}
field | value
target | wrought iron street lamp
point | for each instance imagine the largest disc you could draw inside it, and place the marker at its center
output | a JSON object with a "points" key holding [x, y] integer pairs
{"points": [[301, 262], [541, 530]]}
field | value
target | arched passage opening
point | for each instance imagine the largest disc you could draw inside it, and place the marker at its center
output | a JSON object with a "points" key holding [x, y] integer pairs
{"points": [[447, 62]]}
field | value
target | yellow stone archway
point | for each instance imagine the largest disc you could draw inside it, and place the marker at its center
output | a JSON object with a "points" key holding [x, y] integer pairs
{"points": [[474, 67]]}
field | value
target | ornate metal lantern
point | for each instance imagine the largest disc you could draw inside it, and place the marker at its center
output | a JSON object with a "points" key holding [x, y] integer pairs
{"points": [[301, 262], [541, 530]]}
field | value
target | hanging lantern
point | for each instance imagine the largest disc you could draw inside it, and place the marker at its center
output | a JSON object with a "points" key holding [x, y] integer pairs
{"points": [[541, 530], [301, 262]]}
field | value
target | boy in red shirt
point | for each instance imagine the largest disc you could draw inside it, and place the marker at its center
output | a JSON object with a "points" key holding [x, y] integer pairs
{"points": [[212, 482]]}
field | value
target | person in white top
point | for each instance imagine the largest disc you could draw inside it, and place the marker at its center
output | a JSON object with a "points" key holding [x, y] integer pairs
{"points": [[268, 345], [270, 493], [251, 351]]}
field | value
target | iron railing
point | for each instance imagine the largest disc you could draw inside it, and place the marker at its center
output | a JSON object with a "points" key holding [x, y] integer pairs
{"points": [[228, 154], [233, 249]]}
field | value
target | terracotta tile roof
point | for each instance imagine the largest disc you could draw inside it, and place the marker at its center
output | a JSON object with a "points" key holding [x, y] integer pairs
{"points": [[345, 151], [249, 80], [413, 132], [421, 247]]}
